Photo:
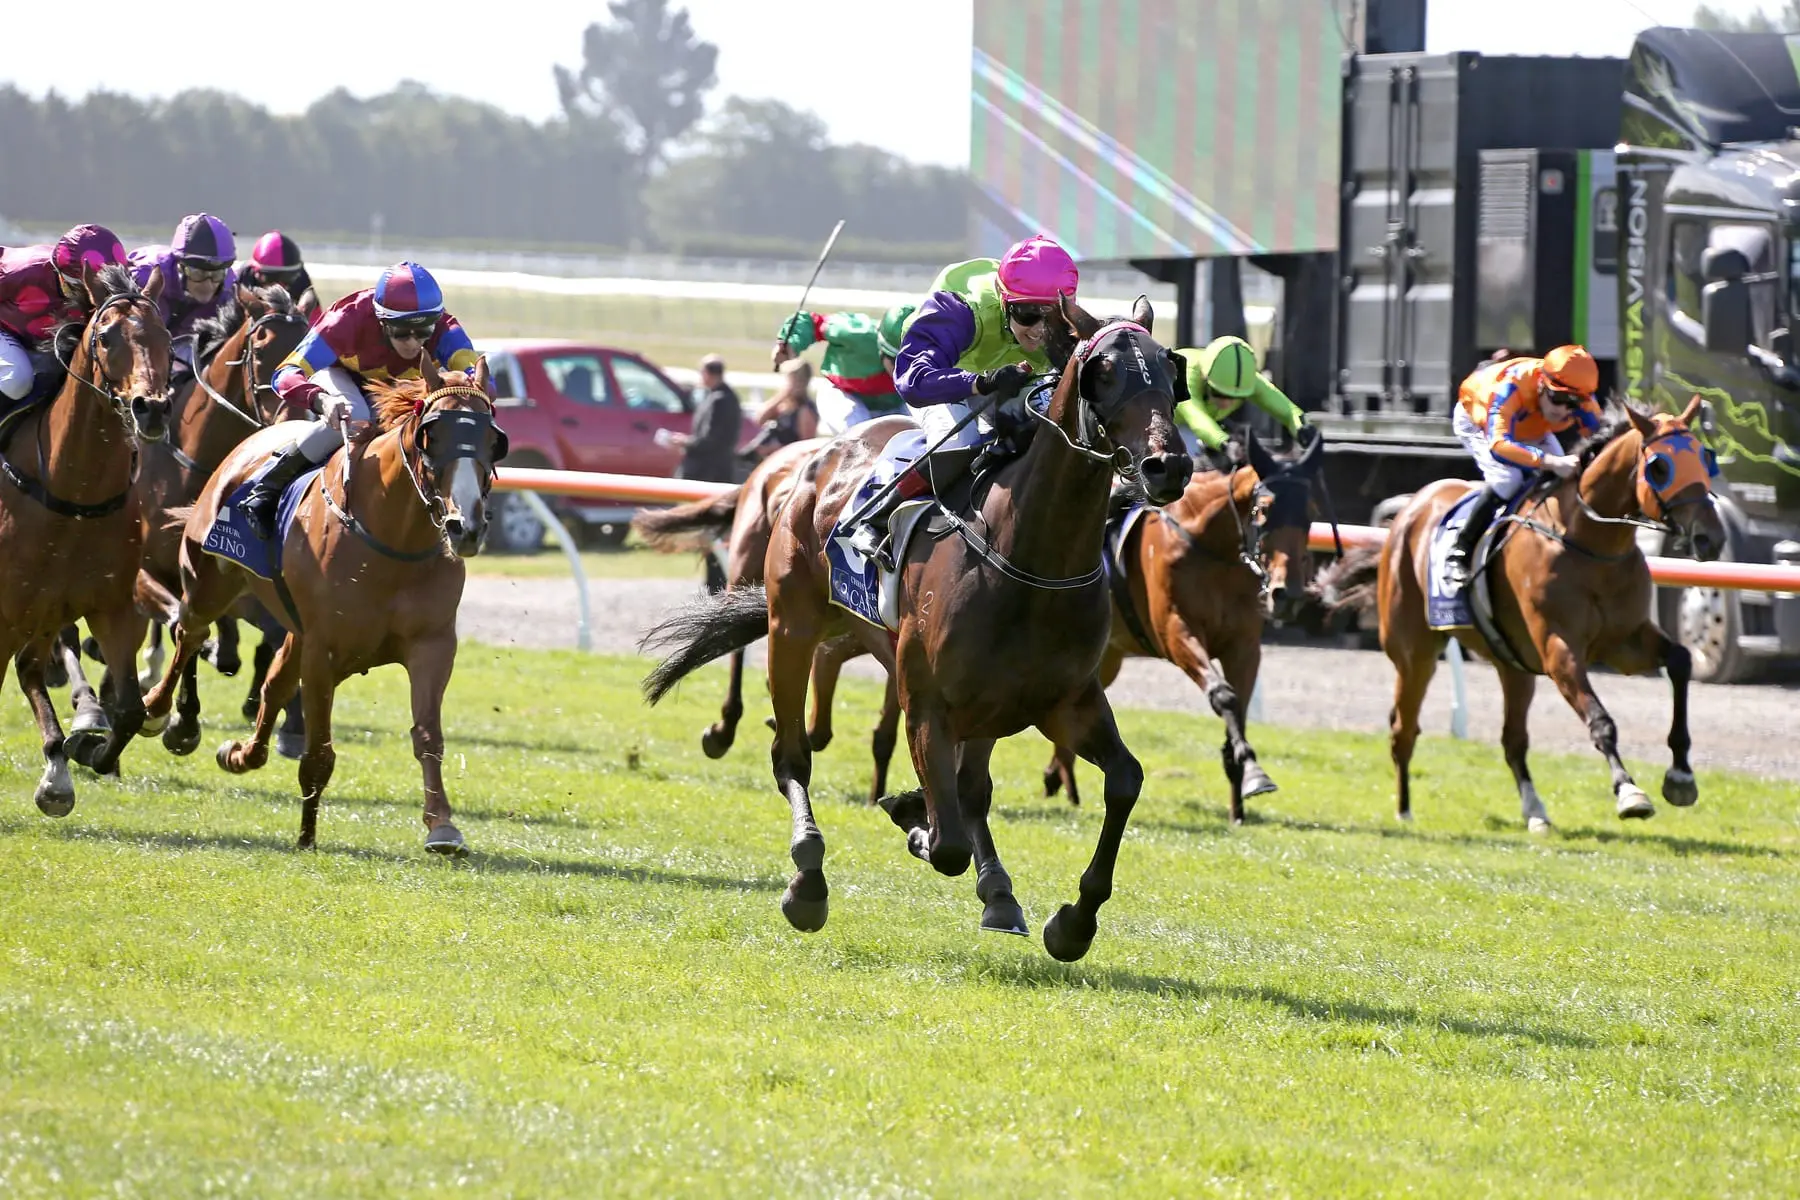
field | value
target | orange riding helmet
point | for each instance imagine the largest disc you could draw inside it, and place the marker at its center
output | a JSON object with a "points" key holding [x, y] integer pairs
{"points": [[1572, 369]]}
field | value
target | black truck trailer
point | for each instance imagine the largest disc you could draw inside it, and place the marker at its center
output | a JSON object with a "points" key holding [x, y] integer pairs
{"points": [[1648, 208]]}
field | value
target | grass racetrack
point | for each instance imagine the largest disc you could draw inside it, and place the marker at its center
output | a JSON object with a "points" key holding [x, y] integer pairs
{"points": [[603, 999]]}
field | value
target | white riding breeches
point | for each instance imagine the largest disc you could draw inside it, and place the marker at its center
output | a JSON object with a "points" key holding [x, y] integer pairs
{"points": [[15, 367], [319, 441], [1506, 478], [938, 419], [838, 410]]}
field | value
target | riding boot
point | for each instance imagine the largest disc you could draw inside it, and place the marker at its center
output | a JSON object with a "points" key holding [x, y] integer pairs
{"points": [[261, 505], [941, 469], [1120, 500], [1480, 515]]}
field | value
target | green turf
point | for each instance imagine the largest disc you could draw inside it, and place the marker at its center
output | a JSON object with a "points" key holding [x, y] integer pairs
{"points": [[604, 1000]]}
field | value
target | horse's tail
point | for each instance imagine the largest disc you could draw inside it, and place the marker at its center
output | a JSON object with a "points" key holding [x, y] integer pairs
{"points": [[688, 527], [709, 628], [1349, 584]]}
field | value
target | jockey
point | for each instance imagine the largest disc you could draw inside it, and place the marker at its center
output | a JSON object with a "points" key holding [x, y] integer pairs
{"points": [[980, 332], [40, 288], [276, 259], [197, 276], [858, 371], [1220, 378], [378, 333], [1508, 415]]}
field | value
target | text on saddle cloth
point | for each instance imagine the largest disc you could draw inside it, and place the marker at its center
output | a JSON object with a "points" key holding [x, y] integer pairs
{"points": [[231, 537]]}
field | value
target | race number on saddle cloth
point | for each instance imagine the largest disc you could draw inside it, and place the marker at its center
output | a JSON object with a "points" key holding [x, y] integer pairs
{"points": [[853, 364], [41, 287]]}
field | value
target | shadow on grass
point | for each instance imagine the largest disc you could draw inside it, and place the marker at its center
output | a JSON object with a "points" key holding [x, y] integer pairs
{"points": [[477, 862]]}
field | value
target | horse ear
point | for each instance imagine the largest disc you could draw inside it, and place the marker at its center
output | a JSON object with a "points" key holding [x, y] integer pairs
{"points": [[90, 279], [153, 287], [250, 301], [1261, 461], [482, 376], [1644, 425], [1143, 314], [1084, 325], [1691, 411], [428, 371]]}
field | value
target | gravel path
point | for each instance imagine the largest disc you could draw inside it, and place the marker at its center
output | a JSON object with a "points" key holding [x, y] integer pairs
{"points": [[1749, 728]]}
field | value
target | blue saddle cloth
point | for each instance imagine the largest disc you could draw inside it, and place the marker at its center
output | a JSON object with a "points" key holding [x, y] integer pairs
{"points": [[855, 580], [231, 537], [1447, 607]]}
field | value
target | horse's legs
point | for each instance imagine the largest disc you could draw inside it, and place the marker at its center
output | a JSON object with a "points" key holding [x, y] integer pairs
{"points": [[1517, 688], [1414, 665], [279, 687], [806, 903], [153, 658], [1060, 773], [885, 738], [1648, 649], [828, 662], [182, 734], [944, 842], [91, 724], [1570, 674], [225, 658], [993, 886], [55, 795], [1086, 723], [263, 655], [716, 739], [120, 631], [428, 668], [317, 687]]}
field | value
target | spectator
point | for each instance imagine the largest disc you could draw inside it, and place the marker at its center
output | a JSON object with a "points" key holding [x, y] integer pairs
{"points": [[707, 451], [790, 415]]}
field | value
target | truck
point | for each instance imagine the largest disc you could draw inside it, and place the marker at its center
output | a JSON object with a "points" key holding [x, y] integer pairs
{"points": [[1647, 208]]}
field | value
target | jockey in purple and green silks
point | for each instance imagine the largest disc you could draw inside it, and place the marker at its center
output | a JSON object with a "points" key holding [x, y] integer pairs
{"points": [[858, 369]]}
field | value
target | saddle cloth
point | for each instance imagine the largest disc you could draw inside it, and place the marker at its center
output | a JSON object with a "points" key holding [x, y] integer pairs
{"points": [[858, 584], [1448, 609], [231, 537]]}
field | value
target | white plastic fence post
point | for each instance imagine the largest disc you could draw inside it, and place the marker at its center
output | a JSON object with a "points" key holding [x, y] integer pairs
{"points": [[1256, 701], [584, 623], [1459, 693]]}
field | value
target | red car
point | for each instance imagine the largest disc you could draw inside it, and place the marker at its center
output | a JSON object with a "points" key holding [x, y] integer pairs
{"points": [[574, 406]]}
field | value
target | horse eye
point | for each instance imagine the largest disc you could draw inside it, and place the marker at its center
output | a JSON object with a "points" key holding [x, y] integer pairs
{"points": [[1659, 471]]}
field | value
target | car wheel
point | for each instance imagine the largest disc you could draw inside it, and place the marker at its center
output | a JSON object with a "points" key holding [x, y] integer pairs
{"points": [[1708, 621], [513, 527]]}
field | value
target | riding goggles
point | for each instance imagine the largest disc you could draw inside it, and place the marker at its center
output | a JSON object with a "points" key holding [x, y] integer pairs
{"points": [[415, 329], [1025, 315]]}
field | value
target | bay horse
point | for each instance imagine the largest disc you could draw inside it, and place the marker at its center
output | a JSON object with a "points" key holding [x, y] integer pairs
{"points": [[1201, 576], [1570, 588], [373, 566], [1001, 626], [70, 539], [745, 517]]}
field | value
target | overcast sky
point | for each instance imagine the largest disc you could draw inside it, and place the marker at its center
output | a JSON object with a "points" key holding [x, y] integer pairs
{"points": [[890, 72]]}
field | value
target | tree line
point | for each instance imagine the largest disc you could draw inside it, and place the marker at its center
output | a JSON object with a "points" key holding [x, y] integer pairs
{"points": [[629, 163]]}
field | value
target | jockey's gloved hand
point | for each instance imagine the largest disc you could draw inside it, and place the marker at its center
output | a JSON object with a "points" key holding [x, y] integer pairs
{"points": [[335, 409], [1004, 382]]}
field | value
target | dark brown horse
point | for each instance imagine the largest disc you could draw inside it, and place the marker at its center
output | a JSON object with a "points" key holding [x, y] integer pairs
{"points": [[1201, 576], [1001, 628], [746, 518], [374, 568], [69, 535], [1570, 589]]}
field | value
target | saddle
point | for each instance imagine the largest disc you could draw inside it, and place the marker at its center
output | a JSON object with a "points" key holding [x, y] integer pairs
{"points": [[1449, 609]]}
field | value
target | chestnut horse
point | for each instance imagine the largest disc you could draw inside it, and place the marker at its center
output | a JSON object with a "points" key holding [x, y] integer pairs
{"points": [[1001, 626], [69, 535], [745, 517], [1202, 575], [374, 568], [1570, 588]]}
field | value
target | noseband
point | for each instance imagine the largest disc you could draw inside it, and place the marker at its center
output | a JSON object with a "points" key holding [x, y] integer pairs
{"points": [[1091, 440]]}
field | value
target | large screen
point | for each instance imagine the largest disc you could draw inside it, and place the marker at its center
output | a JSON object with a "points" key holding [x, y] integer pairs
{"points": [[1158, 128]]}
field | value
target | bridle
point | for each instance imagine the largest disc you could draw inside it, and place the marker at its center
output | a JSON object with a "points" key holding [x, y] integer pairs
{"points": [[247, 360], [1091, 440], [1659, 523]]}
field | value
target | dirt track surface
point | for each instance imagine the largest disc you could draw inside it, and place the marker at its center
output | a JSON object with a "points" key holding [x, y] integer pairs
{"points": [[1747, 728]]}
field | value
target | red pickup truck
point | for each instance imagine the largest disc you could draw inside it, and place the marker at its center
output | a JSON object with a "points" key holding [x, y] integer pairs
{"points": [[575, 406]]}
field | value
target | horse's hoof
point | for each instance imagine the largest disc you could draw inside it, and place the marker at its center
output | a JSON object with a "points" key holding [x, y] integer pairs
{"points": [[1404, 814], [445, 839], [91, 648], [1052, 783], [226, 663], [83, 746], [1069, 934], [55, 796], [181, 740], [56, 675], [1633, 804], [1003, 915], [290, 745], [90, 719], [714, 743], [251, 707], [818, 741], [1256, 781], [222, 756], [1679, 788], [153, 725], [806, 902], [1539, 825]]}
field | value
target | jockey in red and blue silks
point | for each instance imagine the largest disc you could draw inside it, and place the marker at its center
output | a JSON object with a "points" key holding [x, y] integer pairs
{"points": [[40, 288], [196, 275], [380, 334]]}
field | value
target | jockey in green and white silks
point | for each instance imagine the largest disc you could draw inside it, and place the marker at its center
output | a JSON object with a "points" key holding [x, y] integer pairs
{"points": [[858, 367]]}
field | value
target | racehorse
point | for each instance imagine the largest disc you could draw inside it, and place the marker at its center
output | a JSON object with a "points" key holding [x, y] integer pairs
{"points": [[1200, 577], [746, 517], [1000, 628], [69, 535], [372, 569], [1570, 588]]}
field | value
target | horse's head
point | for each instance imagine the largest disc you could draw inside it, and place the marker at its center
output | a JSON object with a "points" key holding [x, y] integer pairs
{"points": [[124, 348], [1674, 479], [1283, 514], [276, 329], [457, 444], [1117, 396]]}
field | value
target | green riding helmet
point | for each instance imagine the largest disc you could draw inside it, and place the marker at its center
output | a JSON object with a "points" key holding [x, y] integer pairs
{"points": [[892, 330], [1232, 372]]}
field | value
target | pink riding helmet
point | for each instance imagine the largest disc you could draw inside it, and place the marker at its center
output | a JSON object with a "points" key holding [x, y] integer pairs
{"points": [[1037, 270], [93, 245]]}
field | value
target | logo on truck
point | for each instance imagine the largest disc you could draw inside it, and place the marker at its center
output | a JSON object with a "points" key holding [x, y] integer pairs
{"points": [[1637, 226]]}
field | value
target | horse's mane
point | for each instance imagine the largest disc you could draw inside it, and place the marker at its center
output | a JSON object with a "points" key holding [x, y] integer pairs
{"points": [[212, 332], [115, 280], [1593, 446], [393, 402]]}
